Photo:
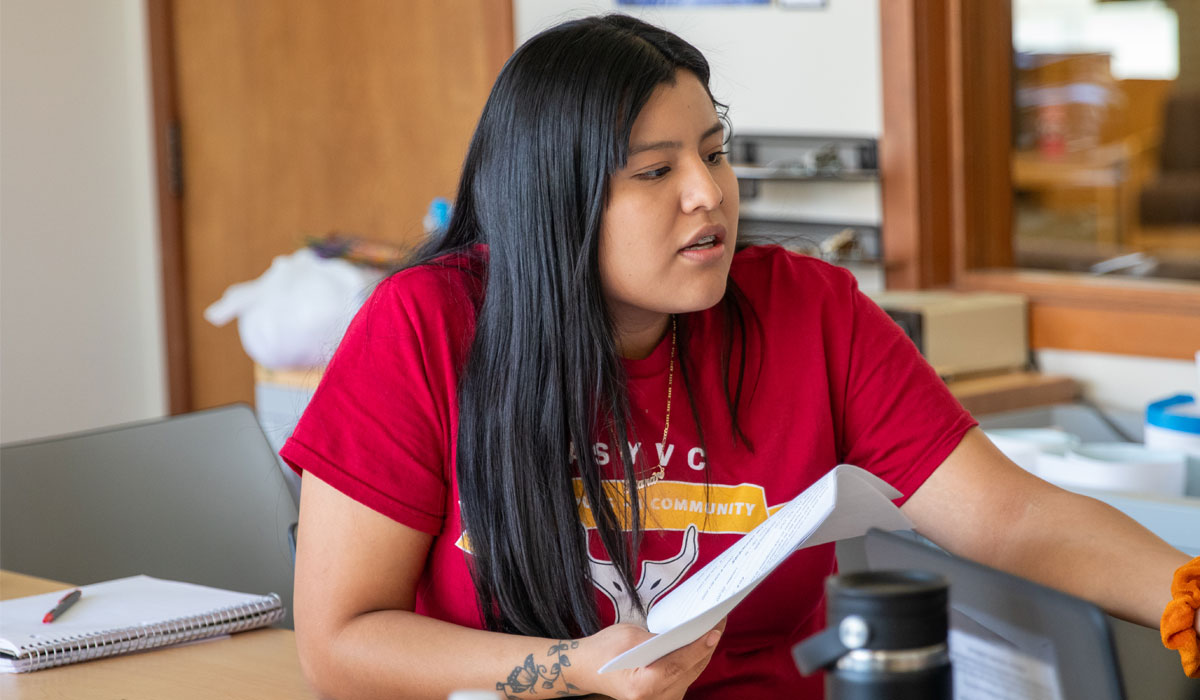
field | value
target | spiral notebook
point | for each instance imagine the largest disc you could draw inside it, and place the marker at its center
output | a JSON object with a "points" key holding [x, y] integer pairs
{"points": [[124, 616]]}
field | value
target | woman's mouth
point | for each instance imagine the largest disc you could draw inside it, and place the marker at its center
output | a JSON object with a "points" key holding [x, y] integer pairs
{"points": [[704, 243], [707, 247]]}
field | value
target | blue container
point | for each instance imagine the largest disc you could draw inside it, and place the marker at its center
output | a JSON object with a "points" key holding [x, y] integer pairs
{"points": [[1173, 423]]}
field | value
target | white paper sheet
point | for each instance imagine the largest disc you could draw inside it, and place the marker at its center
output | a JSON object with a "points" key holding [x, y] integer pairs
{"points": [[844, 503], [985, 670]]}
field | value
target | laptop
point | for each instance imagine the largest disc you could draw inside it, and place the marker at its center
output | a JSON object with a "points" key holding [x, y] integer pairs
{"points": [[199, 497], [1009, 637]]}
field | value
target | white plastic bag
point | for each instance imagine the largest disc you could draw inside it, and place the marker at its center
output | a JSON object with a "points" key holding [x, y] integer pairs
{"points": [[294, 315]]}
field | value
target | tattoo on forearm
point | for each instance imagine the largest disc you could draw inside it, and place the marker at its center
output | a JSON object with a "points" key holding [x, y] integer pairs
{"points": [[531, 677]]}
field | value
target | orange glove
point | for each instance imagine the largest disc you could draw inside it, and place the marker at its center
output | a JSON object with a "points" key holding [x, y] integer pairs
{"points": [[1178, 624]]}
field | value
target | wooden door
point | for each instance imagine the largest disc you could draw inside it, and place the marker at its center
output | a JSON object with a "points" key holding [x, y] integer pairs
{"points": [[296, 119]]}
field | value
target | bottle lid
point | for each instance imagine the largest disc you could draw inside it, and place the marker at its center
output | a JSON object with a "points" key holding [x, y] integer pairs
{"points": [[1175, 413], [880, 612]]}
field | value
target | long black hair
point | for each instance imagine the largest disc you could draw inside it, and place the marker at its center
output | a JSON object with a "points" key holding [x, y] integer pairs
{"points": [[543, 373]]}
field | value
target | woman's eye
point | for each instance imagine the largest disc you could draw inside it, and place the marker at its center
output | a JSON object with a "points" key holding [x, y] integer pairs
{"points": [[653, 174], [716, 158]]}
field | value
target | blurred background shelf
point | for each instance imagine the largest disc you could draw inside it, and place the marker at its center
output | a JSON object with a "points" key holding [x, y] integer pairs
{"points": [[1013, 391]]}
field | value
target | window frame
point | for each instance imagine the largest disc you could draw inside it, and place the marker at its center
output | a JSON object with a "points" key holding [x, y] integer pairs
{"points": [[947, 189]]}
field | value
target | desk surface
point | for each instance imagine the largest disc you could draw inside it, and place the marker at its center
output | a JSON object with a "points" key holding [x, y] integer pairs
{"points": [[259, 664]]}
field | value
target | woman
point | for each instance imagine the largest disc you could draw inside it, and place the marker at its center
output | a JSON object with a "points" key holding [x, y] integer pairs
{"points": [[581, 394]]}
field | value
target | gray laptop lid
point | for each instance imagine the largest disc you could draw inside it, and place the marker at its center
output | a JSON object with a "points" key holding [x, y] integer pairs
{"points": [[1014, 634], [198, 498]]}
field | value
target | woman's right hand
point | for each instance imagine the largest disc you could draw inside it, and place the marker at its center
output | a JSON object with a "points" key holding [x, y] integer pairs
{"points": [[667, 678]]}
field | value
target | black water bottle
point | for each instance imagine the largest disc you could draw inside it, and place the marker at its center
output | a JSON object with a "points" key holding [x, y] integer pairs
{"points": [[886, 638]]}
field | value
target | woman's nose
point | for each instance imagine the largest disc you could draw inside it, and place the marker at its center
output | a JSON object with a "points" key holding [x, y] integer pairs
{"points": [[701, 191]]}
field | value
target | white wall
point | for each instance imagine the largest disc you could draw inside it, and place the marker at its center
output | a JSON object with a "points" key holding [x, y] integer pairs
{"points": [[780, 70], [81, 342], [1122, 381]]}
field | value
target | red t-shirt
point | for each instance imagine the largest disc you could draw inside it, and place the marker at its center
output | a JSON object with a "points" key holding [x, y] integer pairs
{"points": [[833, 380]]}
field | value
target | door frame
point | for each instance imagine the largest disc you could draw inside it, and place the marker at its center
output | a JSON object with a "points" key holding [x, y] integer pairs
{"points": [[169, 174]]}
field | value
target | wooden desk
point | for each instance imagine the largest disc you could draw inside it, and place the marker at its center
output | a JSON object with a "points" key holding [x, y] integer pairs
{"points": [[260, 664]]}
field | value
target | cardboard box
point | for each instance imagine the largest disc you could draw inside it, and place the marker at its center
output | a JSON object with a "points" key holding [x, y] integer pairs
{"points": [[962, 333]]}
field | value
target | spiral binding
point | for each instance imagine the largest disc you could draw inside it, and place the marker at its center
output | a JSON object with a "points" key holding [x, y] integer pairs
{"points": [[70, 649]]}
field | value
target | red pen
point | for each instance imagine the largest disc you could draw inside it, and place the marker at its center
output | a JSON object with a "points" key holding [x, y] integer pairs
{"points": [[63, 604]]}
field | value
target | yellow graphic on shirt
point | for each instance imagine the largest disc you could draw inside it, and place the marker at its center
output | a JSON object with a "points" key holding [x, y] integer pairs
{"points": [[674, 505]]}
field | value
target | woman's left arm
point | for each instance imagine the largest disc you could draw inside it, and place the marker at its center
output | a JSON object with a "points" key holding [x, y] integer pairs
{"points": [[981, 506]]}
